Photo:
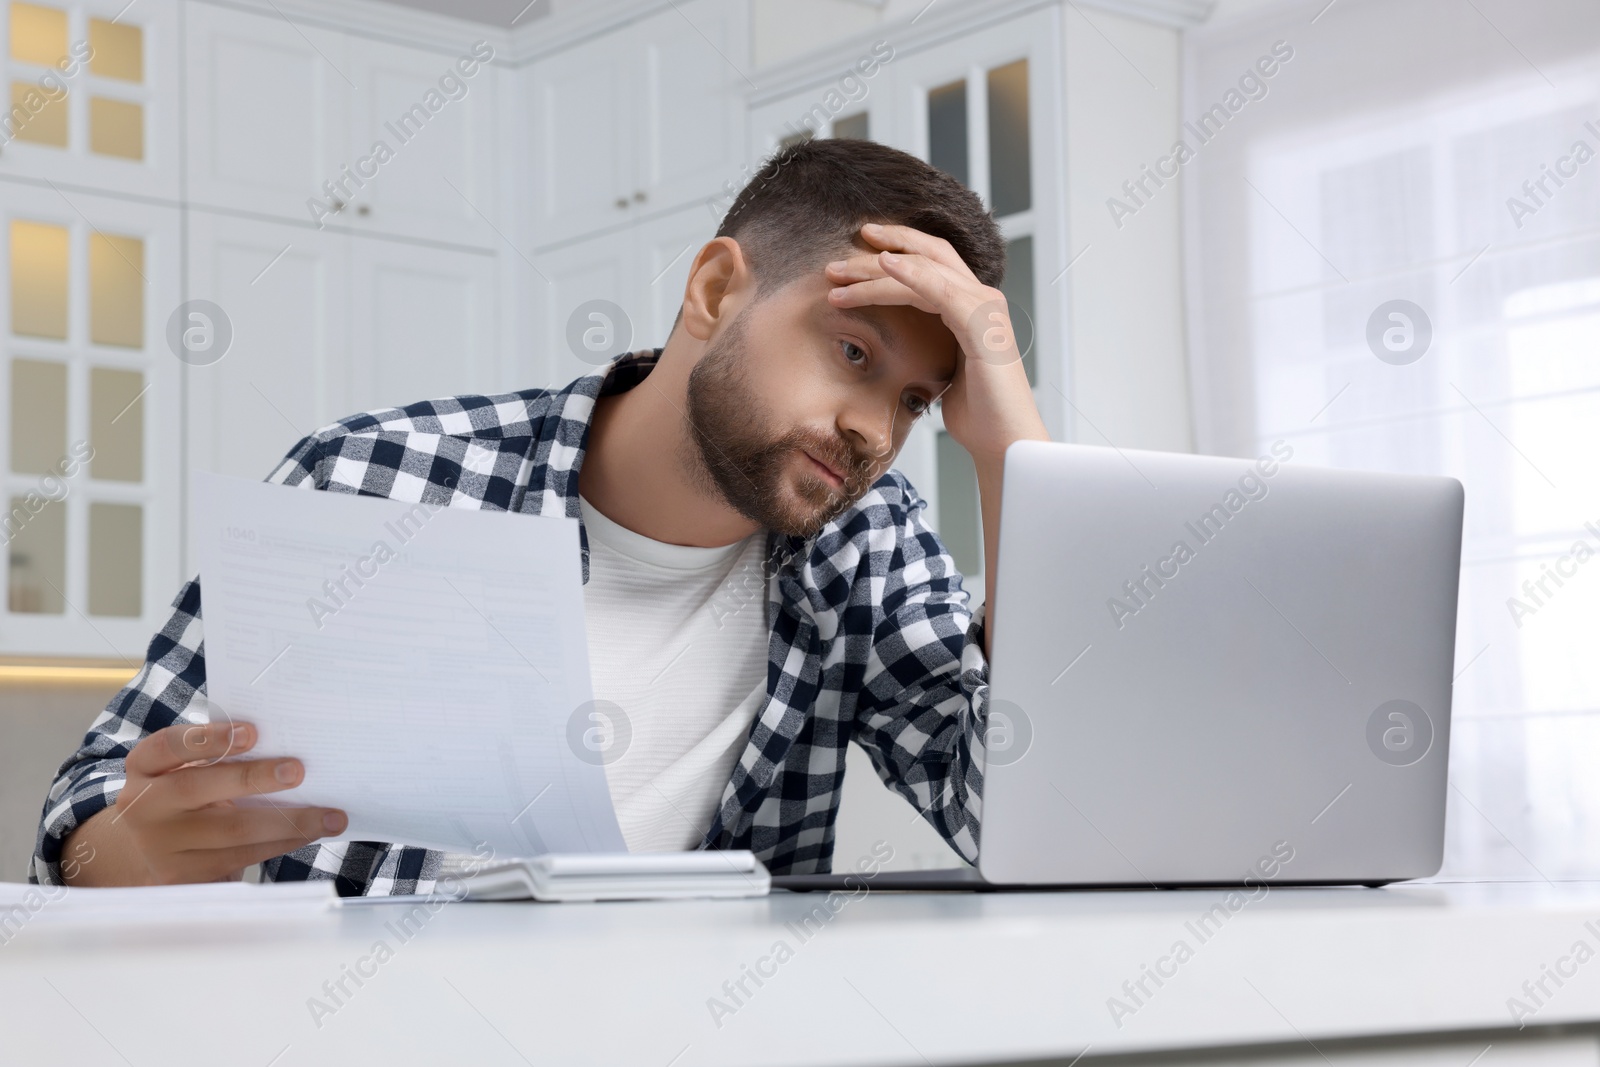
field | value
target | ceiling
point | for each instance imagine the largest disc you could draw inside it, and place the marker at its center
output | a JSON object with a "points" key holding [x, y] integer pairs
{"points": [[500, 13]]}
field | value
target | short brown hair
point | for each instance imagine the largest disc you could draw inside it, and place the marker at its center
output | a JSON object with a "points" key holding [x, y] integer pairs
{"points": [[808, 201]]}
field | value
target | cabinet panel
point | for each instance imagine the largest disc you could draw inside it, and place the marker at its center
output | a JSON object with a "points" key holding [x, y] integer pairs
{"points": [[691, 141], [600, 269], [107, 119], [665, 250], [583, 104], [423, 324], [639, 121], [422, 147], [283, 291], [268, 107]]}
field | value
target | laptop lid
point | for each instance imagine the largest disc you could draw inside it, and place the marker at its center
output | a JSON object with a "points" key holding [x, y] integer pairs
{"points": [[1206, 670]]}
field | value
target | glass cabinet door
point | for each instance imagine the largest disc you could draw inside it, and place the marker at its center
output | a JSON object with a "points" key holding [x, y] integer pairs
{"points": [[90, 398], [91, 94], [982, 110]]}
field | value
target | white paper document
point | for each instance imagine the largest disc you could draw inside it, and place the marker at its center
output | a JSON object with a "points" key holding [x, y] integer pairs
{"points": [[427, 664]]}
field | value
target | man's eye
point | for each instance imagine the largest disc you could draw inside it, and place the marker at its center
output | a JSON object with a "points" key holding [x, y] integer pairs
{"points": [[916, 403], [860, 353]]}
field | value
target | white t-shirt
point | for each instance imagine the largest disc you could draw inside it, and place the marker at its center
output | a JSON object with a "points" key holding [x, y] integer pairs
{"points": [[677, 640]]}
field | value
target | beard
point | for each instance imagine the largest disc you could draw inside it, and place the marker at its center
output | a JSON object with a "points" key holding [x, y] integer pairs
{"points": [[733, 452]]}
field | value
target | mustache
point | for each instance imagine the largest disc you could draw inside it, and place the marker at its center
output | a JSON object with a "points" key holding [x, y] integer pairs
{"points": [[858, 468]]}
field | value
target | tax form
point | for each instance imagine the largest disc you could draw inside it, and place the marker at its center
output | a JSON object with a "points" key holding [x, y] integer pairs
{"points": [[427, 664]]}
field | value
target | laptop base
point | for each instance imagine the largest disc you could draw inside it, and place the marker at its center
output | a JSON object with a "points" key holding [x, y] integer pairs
{"points": [[970, 880]]}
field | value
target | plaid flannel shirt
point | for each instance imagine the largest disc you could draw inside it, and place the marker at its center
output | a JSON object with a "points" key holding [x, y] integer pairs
{"points": [[872, 640]]}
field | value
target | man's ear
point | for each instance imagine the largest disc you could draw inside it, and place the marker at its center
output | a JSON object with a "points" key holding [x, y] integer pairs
{"points": [[720, 271]]}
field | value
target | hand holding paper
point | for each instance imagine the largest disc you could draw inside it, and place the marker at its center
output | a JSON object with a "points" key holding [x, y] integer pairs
{"points": [[421, 661]]}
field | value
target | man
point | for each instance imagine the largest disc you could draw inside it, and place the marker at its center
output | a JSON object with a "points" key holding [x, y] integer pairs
{"points": [[849, 287]]}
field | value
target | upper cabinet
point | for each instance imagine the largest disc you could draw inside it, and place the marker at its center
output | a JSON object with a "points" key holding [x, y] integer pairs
{"points": [[293, 120], [91, 91], [421, 150], [268, 110], [638, 121], [692, 74]]}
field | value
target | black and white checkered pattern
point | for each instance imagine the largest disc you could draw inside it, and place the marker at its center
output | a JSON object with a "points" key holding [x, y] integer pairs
{"points": [[872, 640]]}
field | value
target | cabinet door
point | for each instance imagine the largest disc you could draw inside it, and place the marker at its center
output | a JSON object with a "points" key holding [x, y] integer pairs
{"points": [[588, 305], [583, 125], [664, 250], [986, 110], [268, 111], [282, 294], [422, 148], [423, 324], [91, 394], [110, 122], [859, 103], [691, 62]]}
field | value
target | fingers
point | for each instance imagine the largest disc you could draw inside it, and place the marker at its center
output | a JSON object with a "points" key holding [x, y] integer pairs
{"points": [[221, 829], [189, 788], [938, 288], [897, 238], [182, 743], [227, 862], [177, 812], [863, 266], [861, 281], [879, 292]]}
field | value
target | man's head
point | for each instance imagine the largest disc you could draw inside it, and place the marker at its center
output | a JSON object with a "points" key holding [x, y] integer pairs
{"points": [[786, 383]]}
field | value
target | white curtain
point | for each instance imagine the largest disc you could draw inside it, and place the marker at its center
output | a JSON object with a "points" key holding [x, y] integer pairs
{"points": [[1445, 153]]}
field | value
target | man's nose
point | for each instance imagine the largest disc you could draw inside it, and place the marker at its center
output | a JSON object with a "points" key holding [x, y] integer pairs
{"points": [[871, 423]]}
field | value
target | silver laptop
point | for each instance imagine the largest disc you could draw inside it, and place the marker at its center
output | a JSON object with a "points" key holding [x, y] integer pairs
{"points": [[1213, 671]]}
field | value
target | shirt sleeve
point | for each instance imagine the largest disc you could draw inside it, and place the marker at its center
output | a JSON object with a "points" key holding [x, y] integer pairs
{"points": [[924, 700], [170, 688]]}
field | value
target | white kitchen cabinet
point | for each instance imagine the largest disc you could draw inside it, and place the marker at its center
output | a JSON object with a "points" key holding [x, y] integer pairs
{"points": [[286, 119], [691, 69], [423, 324], [285, 292], [422, 149], [115, 127], [327, 324], [573, 283], [860, 102], [664, 251], [641, 120], [90, 394], [616, 292], [583, 125], [269, 104]]}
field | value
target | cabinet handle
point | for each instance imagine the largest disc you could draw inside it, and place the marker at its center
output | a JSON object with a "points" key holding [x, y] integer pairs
{"points": [[622, 203], [639, 196]]}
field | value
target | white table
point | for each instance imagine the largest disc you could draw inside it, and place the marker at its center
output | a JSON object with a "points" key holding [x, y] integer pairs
{"points": [[890, 979]]}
